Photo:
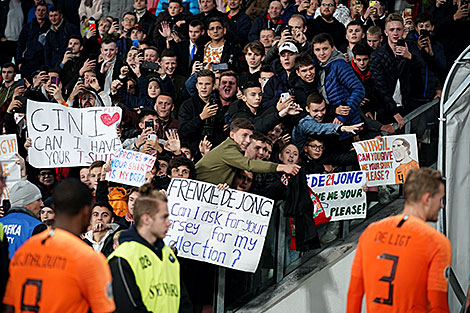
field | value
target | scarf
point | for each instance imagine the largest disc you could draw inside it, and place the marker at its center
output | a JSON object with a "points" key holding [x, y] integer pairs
{"points": [[362, 76]]}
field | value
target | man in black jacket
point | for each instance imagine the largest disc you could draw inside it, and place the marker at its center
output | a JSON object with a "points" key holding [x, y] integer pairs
{"points": [[57, 37], [429, 53], [249, 107], [327, 23], [30, 49], [280, 82], [360, 65], [208, 10], [238, 21], [390, 66], [144, 17], [187, 49], [271, 20], [142, 252], [219, 50], [202, 115]]}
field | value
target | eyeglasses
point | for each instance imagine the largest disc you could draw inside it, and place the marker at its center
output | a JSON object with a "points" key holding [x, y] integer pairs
{"points": [[43, 174], [215, 28], [315, 147], [330, 5], [129, 19]]}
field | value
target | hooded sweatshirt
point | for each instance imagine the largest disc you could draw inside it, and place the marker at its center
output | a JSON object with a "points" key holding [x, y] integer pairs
{"points": [[335, 55]]}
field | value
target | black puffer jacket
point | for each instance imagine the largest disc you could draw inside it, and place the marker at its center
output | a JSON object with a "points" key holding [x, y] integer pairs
{"points": [[386, 69], [264, 120], [192, 129]]}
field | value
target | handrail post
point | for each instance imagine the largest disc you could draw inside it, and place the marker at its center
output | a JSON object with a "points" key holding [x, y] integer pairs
{"points": [[220, 293], [280, 245]]}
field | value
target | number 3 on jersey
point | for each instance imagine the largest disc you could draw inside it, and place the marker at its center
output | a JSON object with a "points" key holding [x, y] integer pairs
{"points": [[388, 279]]}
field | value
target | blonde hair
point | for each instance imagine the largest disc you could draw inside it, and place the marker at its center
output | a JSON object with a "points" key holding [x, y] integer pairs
{"points": [[147, 202], [420, 181]]}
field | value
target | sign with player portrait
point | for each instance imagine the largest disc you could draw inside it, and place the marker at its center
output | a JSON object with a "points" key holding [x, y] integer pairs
{"points": [[64, 137], [386, 160]]}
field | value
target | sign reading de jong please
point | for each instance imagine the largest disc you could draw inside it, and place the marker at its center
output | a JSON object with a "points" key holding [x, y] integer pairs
{"points": [[340, 194], [222, 227], [65, 137]]}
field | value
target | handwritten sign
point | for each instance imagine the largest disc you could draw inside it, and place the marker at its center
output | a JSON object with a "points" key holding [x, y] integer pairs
{"points": [[129, 167], [8, 158], [63, 136], [386, 160], [340, 194], [222, 227]]}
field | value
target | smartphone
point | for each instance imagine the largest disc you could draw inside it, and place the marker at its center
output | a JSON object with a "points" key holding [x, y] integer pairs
{"points": [[20, 83], [220, 67], [150, 65], [54, 80], [371, 4], [152, 137], [93, 57], [68, 50], [22, 108], [289, 29], [285, 96], [401, 42], [6, 206], [407, 12], [149, 124], [424, 33], [91, 26]]}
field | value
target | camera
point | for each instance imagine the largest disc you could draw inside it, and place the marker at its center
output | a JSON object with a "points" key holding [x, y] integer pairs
{"points": [[54, 80], [220, 67], [150, 65]]}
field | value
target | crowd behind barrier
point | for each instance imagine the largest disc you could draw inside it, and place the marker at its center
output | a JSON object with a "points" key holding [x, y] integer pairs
{"points": [[231, 127]]}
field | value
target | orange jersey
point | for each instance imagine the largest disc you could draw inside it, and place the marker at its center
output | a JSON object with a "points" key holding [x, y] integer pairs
{"points": [[58, 272], [400, 268], [400, 171]]}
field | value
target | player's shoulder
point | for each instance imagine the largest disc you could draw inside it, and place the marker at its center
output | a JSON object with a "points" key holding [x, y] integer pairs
{"points": [[64, 242], [410, 225], [386, 223]]}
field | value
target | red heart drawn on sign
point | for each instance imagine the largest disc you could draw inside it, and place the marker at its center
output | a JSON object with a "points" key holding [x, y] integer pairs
{"points": [[108, 120]]}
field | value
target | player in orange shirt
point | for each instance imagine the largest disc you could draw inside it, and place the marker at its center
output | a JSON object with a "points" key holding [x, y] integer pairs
{"points": [[55, 271], [402, 264]]}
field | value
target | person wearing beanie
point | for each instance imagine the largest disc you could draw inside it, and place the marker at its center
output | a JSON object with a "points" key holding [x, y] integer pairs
{"points": [[22, 221]]}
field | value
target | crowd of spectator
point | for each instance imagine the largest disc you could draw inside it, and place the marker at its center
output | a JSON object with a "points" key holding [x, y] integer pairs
{"points": [[233, 92]]}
